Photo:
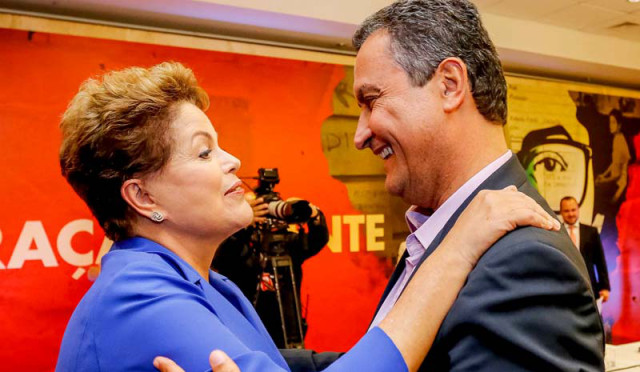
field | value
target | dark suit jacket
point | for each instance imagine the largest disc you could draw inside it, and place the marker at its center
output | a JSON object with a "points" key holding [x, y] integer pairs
{"points": [[591, 249], [527, 305]]}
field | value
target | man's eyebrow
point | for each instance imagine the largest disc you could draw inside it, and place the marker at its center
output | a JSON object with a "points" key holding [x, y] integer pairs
{"points": [[365, 88]]}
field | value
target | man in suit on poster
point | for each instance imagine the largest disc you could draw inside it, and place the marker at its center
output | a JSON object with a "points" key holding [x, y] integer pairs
{"points": [[587, 240], [433, 101]]}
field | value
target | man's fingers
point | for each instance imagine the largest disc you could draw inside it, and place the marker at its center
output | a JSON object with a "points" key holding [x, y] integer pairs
{"points": [[167, 365], [220, 362], [257, 212]]}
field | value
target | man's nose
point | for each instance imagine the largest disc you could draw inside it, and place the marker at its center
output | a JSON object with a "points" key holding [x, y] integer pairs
{"points": [[363, 136]]}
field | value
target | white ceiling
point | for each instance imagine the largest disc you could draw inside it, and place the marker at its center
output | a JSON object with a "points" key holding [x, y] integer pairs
{"points": [[615, 18], [585, 40]]}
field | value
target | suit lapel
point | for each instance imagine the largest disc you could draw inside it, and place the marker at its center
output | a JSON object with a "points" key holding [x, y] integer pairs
{"points": [[510, 173], [392, 280], [583, 237]]}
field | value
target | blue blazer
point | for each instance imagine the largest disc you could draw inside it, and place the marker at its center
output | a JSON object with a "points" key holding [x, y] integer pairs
{"points": [[147, 302], [527, 305]]}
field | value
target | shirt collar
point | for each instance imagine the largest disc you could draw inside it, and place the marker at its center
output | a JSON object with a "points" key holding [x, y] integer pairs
{"points": [[424, 228], [576, 225]]}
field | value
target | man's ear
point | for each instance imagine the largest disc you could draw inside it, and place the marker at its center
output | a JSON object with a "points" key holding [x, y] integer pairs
{"points": [[134, 193], [454, 83]]}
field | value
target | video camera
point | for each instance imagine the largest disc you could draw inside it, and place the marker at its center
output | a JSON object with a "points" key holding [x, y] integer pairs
{"points": [[297, 211], [275, 242]]}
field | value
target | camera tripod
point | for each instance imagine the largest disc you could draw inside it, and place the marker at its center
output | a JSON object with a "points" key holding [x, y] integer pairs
{"points": [[277, 280]]}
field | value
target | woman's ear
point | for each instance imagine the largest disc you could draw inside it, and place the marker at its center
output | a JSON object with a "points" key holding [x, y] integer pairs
{"points": [[134, 193], [452, 73]]}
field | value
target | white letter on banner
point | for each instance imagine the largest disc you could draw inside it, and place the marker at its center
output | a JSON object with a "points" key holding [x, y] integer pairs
{"points": [[33, 231], [64, 243]]}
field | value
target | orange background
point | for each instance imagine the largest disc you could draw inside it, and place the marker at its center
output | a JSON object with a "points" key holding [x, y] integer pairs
{"points": [[268, 113]]}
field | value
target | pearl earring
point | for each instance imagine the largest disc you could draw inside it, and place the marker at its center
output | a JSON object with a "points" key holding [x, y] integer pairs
{"points": [[157, 217]]}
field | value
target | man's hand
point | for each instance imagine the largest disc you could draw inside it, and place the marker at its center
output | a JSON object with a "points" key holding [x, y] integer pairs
{"points": [[260, 208], [314, 209], [604, 295], [219, 361]]}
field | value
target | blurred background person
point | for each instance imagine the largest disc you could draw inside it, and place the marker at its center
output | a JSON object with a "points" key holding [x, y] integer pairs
{"points": [[587, 240], [620, 157]]}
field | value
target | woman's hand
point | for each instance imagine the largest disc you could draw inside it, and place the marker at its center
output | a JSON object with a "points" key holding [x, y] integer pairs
{"points": [[489, 216], [219, 361]]}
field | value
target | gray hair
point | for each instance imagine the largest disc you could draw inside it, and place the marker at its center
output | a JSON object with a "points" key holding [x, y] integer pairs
{"points": [[423, 33]]}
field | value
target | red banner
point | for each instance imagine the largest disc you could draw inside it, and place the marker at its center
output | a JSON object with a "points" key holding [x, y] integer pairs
{"points": [[268, 112]]}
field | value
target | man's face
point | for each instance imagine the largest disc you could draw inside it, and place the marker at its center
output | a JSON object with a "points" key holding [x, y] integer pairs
{"points": [[570, 211], [400, 123]]}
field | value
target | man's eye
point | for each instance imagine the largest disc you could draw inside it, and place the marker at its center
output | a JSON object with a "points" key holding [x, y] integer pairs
{"points": [[205, 154], [369, 101]]}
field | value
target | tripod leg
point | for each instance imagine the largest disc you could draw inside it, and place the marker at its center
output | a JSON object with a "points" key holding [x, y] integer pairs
{"points": [[288, 302]]}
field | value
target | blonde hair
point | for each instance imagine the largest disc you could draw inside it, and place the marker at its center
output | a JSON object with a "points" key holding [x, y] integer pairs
{"points": [[116, 128]]}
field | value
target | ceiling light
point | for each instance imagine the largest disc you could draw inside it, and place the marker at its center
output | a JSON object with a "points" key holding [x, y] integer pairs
{"points": [[634, 1]]}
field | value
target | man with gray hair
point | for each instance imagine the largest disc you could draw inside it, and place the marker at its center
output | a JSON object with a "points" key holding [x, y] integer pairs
{"points": [[433, 99]]}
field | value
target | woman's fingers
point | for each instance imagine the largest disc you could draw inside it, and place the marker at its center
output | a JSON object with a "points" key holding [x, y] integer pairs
{"points": [[220, 362], [514, 209], [524, 211], [493, 213], [163, 364], [531, 216], [510, 188]]}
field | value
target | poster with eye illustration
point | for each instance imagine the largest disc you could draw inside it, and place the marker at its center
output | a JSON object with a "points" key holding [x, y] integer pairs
{"points": [[582, 141]]}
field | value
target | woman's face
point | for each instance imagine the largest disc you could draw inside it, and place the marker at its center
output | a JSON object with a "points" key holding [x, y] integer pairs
{"points": [[198, 190], [613, 124]]}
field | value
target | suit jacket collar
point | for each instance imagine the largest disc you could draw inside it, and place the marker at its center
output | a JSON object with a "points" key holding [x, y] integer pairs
{"points": [[584, 231], [511, 173]]}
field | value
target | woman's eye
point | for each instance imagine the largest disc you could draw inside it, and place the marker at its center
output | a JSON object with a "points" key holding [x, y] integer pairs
{"points": [[205, 154]]}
